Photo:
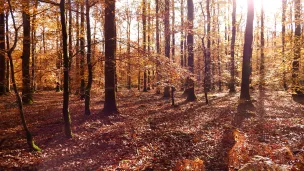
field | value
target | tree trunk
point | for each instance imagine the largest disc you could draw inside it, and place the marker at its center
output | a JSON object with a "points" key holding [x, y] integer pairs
{"points": [[232, 49], [173, 30], [144, 22], [297, 45], [207, 79], [157, 46], [262, 64], [8, 86], [182, 34], [70, 41], [28, 134], [66, 93], [190, 43], [82, 50], [128, 13], [110, 106], [247, 52], [284, 2], [219, 49], [89, 63], [2, 50], [34, 86], [26, 53], [167, 41], [77, 66]]}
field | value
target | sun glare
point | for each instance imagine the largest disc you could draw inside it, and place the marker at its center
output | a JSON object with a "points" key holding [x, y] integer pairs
{"points": [[270, 6]]}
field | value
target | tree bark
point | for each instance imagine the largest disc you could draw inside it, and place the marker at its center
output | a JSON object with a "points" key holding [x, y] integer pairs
{"points": [[144, 22], [2, 50], [167, 41], [173, 30], [182, 34], [82, 50], [8, 86], [157, 46], [77, 66], [247, 52], [297, 45], [89, 63], [26, 53], [284, 2], [34, 85], [262, 64], [110, 106], [66, 92], [207, 79], [190, 43]]}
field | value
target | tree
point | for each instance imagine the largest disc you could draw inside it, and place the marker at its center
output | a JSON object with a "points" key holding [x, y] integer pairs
{"points": [[190, 43], [2, 50], [297, 44], [247, 51], [262, 64], [157, 42], [144, 22], [182, 34], [34, 42], [207, 79], [110, 106], [89, 63], [66, 92], [26, 53], [232, 67], [284, 2], [167, 40], [29, 137], [82, 50]]}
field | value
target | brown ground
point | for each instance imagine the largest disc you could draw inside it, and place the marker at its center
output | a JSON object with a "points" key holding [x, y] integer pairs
{"points": [[149, 134]]}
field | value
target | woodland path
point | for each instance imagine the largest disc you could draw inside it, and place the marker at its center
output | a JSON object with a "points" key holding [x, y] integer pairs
{"points": [[149, 134]]}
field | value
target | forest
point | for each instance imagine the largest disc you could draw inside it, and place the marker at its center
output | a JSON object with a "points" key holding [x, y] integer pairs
{"points": [[198, 85]]}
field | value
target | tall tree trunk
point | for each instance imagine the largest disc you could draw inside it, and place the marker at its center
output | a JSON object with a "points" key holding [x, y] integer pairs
{"points": [[149, 44], [157, 46], [128, 13], [144, 22], [297, 45], [190, 43], [262, 64], [182, 34], [34, 46], [138, 52], [167, 40], [173, 30], [110, 106], [26, 53], [89, 63], [77, 66], [2, 50], [8, 86], [70, 41], [29, 137], [247, 52], [207, 79], [82, 50], [284, 3], [218, 49], [66, 92]]}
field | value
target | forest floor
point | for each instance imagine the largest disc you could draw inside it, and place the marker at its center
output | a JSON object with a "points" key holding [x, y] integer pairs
{"points": [[149, 134]]}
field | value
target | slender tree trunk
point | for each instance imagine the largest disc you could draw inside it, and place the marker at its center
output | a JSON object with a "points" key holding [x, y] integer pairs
{"points": [[284, 2], [262, 64], [34, 86], [247, 52], [66, 92], [110, 106], [144, 22], [138, 52], [82, 50], [8, 84], [190, 43], [218, 49], [167, 40], [28, 134], [297, 45], [207, 79], [173, 30], [89, 63], [128, 13], [77, 69], [26, 53], [157, 46], [2, 50], [149, 44], [70, 41], [182, 34]]}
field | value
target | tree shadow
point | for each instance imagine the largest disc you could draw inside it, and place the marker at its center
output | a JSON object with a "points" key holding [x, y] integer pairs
{"points": [[244, 110]]}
